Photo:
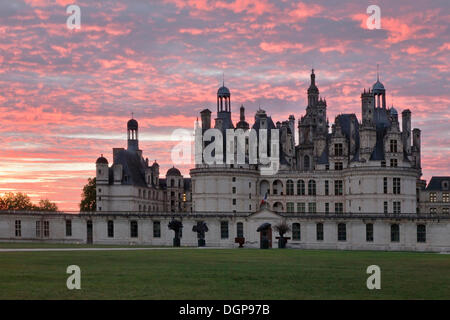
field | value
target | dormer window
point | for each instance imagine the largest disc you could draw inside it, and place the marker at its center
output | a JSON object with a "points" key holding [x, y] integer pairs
{"points": [[393, 145], [445, 185]]}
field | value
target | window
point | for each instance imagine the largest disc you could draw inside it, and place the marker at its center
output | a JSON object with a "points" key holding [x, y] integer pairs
{"points": [[296, 231], [234, 189], [327, 167], [396, 207], [394, 163], [385, 207], [339, 207], [301, 207], [319, 232], [395, 233], [393, 145], [234, 202], [224, 229], [38, 229], [385, 185], [338, 166], [396, 185], [327, 189], [445, 197], [306, 163], [133, 229], [421, 233], [433, 210], [234, 179], [110, 229], [311, 187], [327, 207], [338, 187], [68, 228], [18, 228], [290, 207], [432, 196], [369, 232], [338, 150], [445, 210], [300, 188], [46, 227], [240, 230], [290, 188], [156, 229], [383, 163], [312, 207], [342, 232]]}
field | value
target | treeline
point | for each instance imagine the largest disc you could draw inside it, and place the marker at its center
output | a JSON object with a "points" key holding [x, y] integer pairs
{"points": [[21, 201]]}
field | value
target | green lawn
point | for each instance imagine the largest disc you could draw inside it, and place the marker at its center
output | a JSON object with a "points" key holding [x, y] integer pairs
{"points": [[224, 274]]}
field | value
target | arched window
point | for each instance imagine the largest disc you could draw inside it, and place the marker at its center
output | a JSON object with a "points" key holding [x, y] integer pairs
{"points": [[300, 188], [290, 188], [311, 187], [263, 188], [342, 232], [306, 162], [296, 231]]}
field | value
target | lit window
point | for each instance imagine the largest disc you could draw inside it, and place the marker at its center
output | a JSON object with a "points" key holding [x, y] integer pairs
{"points": [[445, 197], [432, 196]]}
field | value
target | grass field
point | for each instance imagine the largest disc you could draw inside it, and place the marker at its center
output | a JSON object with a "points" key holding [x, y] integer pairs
{"points": [[223, 274]]}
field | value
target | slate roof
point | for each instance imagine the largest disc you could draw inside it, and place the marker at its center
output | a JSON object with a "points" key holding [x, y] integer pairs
{"points": [[438, 184]]}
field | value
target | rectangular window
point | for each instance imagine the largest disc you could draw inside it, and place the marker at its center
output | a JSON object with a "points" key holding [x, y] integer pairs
{"points": [[290, 207], [342, 232], [369, 232], [296, 231], [68, 228], [385, 185], [46, 227], [133, 229], [385, 207], [396, 207], [445, 210], [383, 163], [327, 207], [393, 145], [240, 230], [396, 185], [338, 150], [234, 202], [445, 197], [338, 166], [394, 163], [156, 229], [319, 232], [38, 229], [18, 228], [433, 197], [312, 207], [301, 207], [395, 233], [224, 229], [421, 233], [110, 229], [327, 189], [338, 187], [234, 189], [433, 210], [339, 207]]}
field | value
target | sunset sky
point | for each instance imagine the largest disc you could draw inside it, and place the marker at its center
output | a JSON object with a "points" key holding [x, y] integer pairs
{"points": [[66, 95]]}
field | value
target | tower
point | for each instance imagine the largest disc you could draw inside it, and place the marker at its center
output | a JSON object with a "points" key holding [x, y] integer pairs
{"points": [[132, 133], [223, 99], [313, 91], [102, 173], [367, 107], [379, 93]]}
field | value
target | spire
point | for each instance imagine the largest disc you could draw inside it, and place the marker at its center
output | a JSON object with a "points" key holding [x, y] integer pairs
{"points": [[378, 72]]}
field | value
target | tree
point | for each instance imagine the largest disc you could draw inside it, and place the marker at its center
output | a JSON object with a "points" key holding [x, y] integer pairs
{"points": [[18, 201], [282, 228], [89, 196], [46, 205], [21, 201]]}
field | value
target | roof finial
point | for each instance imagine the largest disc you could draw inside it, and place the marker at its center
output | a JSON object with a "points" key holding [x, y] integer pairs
{"points": [[223, 79], [132, 115], [378, 72]]}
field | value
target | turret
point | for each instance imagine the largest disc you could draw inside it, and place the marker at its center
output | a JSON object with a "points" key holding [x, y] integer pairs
{"points": [[132, 132], [206, 119], [102, 173], [313, 91], [367, 106]]}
